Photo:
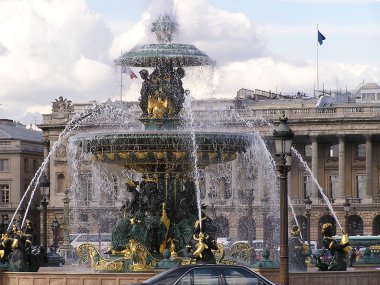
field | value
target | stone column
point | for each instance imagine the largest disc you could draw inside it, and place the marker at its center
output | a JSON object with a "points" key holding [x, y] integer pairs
{"points": [[314, 168], [368, 168], [342, 169]]}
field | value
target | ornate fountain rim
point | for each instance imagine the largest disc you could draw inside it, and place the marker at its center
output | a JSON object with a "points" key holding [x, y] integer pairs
{"points": [[150, 55]]}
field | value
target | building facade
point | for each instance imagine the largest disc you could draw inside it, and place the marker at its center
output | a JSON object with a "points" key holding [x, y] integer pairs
{"points": [[336, 159], [21, 154]]}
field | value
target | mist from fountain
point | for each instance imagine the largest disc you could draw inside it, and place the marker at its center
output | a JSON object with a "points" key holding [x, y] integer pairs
{"points": [[33, 185], [315, 181]]}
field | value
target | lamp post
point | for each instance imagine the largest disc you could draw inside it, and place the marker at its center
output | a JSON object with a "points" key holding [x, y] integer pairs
{"points": [[45, 191], [264, 209], [55, 226], [283, 136], [308, 203], [251, 199], [346, 208]]}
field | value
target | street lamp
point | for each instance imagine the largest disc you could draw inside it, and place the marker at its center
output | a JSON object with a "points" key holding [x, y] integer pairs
{"points": [[346, 208], [283, 137], [264, 209], [45, 191], [308, 203], [55, 226]]}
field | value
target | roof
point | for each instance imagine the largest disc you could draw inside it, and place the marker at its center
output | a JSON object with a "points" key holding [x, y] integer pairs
{"points": [[370, 86], [19, 133]]}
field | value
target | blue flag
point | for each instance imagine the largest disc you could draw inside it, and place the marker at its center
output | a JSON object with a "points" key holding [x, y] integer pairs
{"points": [[321, 37]]}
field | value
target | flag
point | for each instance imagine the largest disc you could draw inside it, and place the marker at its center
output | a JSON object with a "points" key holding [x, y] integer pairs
{"points": [[127, 69], [321, 37]]}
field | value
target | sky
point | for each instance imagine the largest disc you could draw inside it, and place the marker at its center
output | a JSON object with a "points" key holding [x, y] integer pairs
{"points": [[52, 48]]}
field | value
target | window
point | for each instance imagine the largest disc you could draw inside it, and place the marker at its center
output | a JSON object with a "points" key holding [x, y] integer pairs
{"points": [[205, 276], [4, 188], [86, 186], [306, 186], [360, 186], [308, 150], [334, 150], [26, 165], [61, 182], [226, 186], [360, 150], [4, 164], [83, 217], [333, 185], [238, 276], [35, 165]]}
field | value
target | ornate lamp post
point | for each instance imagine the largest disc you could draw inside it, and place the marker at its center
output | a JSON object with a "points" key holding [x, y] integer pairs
{"points": [[346, 208], [283, 136], [55, 226], [264, 208], [45, 191], [308, 203]]}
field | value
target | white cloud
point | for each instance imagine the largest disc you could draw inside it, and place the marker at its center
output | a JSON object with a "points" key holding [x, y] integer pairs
{"points": [[52, 48], [270, 74]]}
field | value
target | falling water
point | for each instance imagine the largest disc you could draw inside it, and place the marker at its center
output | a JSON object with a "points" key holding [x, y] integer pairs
{"points": [[194, 156], [320, 189], [294, 214], [81, 117]]}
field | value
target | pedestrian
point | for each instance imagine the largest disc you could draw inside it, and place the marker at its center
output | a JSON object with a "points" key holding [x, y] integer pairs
{"points": [[352, 258]]}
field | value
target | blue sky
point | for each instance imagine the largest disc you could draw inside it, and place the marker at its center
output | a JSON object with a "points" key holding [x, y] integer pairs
{"points": [[347, 25], [52, 48]]}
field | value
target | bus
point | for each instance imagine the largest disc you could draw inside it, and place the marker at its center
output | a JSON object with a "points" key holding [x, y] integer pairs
{"points": [[361, 241]]}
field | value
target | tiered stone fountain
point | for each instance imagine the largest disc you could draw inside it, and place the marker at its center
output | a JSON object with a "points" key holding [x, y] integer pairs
{"points": [[167, 154]]}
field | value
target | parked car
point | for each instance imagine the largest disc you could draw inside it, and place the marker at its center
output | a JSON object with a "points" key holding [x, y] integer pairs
{"points": [[226, 242], [210, 274], [54, 259]]}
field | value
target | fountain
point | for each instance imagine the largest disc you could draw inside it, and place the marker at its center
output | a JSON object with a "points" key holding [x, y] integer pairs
{"points": [[166, 157]]}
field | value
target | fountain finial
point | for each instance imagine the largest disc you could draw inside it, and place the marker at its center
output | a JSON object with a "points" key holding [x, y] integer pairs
{"points": [[164, 27]]}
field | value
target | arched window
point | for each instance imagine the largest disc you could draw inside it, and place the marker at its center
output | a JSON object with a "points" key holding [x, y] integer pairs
{"points": [[355, 225], [61, 183], [222, 227], [247, 229], [376, 226]]}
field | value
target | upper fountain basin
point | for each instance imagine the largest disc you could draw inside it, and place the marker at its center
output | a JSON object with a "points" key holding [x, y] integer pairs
{"points": [[151, 55]]}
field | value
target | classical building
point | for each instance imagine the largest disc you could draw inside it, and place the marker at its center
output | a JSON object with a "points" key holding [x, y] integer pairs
{"points": [[337, 152], [21, 154]]}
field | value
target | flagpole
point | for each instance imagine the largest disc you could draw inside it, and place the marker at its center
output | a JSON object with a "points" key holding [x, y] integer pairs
{"points": [[121, 81], [317, 66]]}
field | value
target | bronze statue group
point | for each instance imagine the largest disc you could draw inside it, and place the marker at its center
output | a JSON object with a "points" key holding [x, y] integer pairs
{"points": [[16, 253], [299, 252]]}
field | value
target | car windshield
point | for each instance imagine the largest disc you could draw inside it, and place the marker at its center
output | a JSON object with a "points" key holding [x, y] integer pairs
{"points": [[171, 274]]}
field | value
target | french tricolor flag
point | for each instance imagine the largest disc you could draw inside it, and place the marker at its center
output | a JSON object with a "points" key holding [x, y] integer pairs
{"points": [[129, 71]]}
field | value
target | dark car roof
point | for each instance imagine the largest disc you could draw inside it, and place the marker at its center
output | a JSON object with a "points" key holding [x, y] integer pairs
{"points": [[181, 270]]}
